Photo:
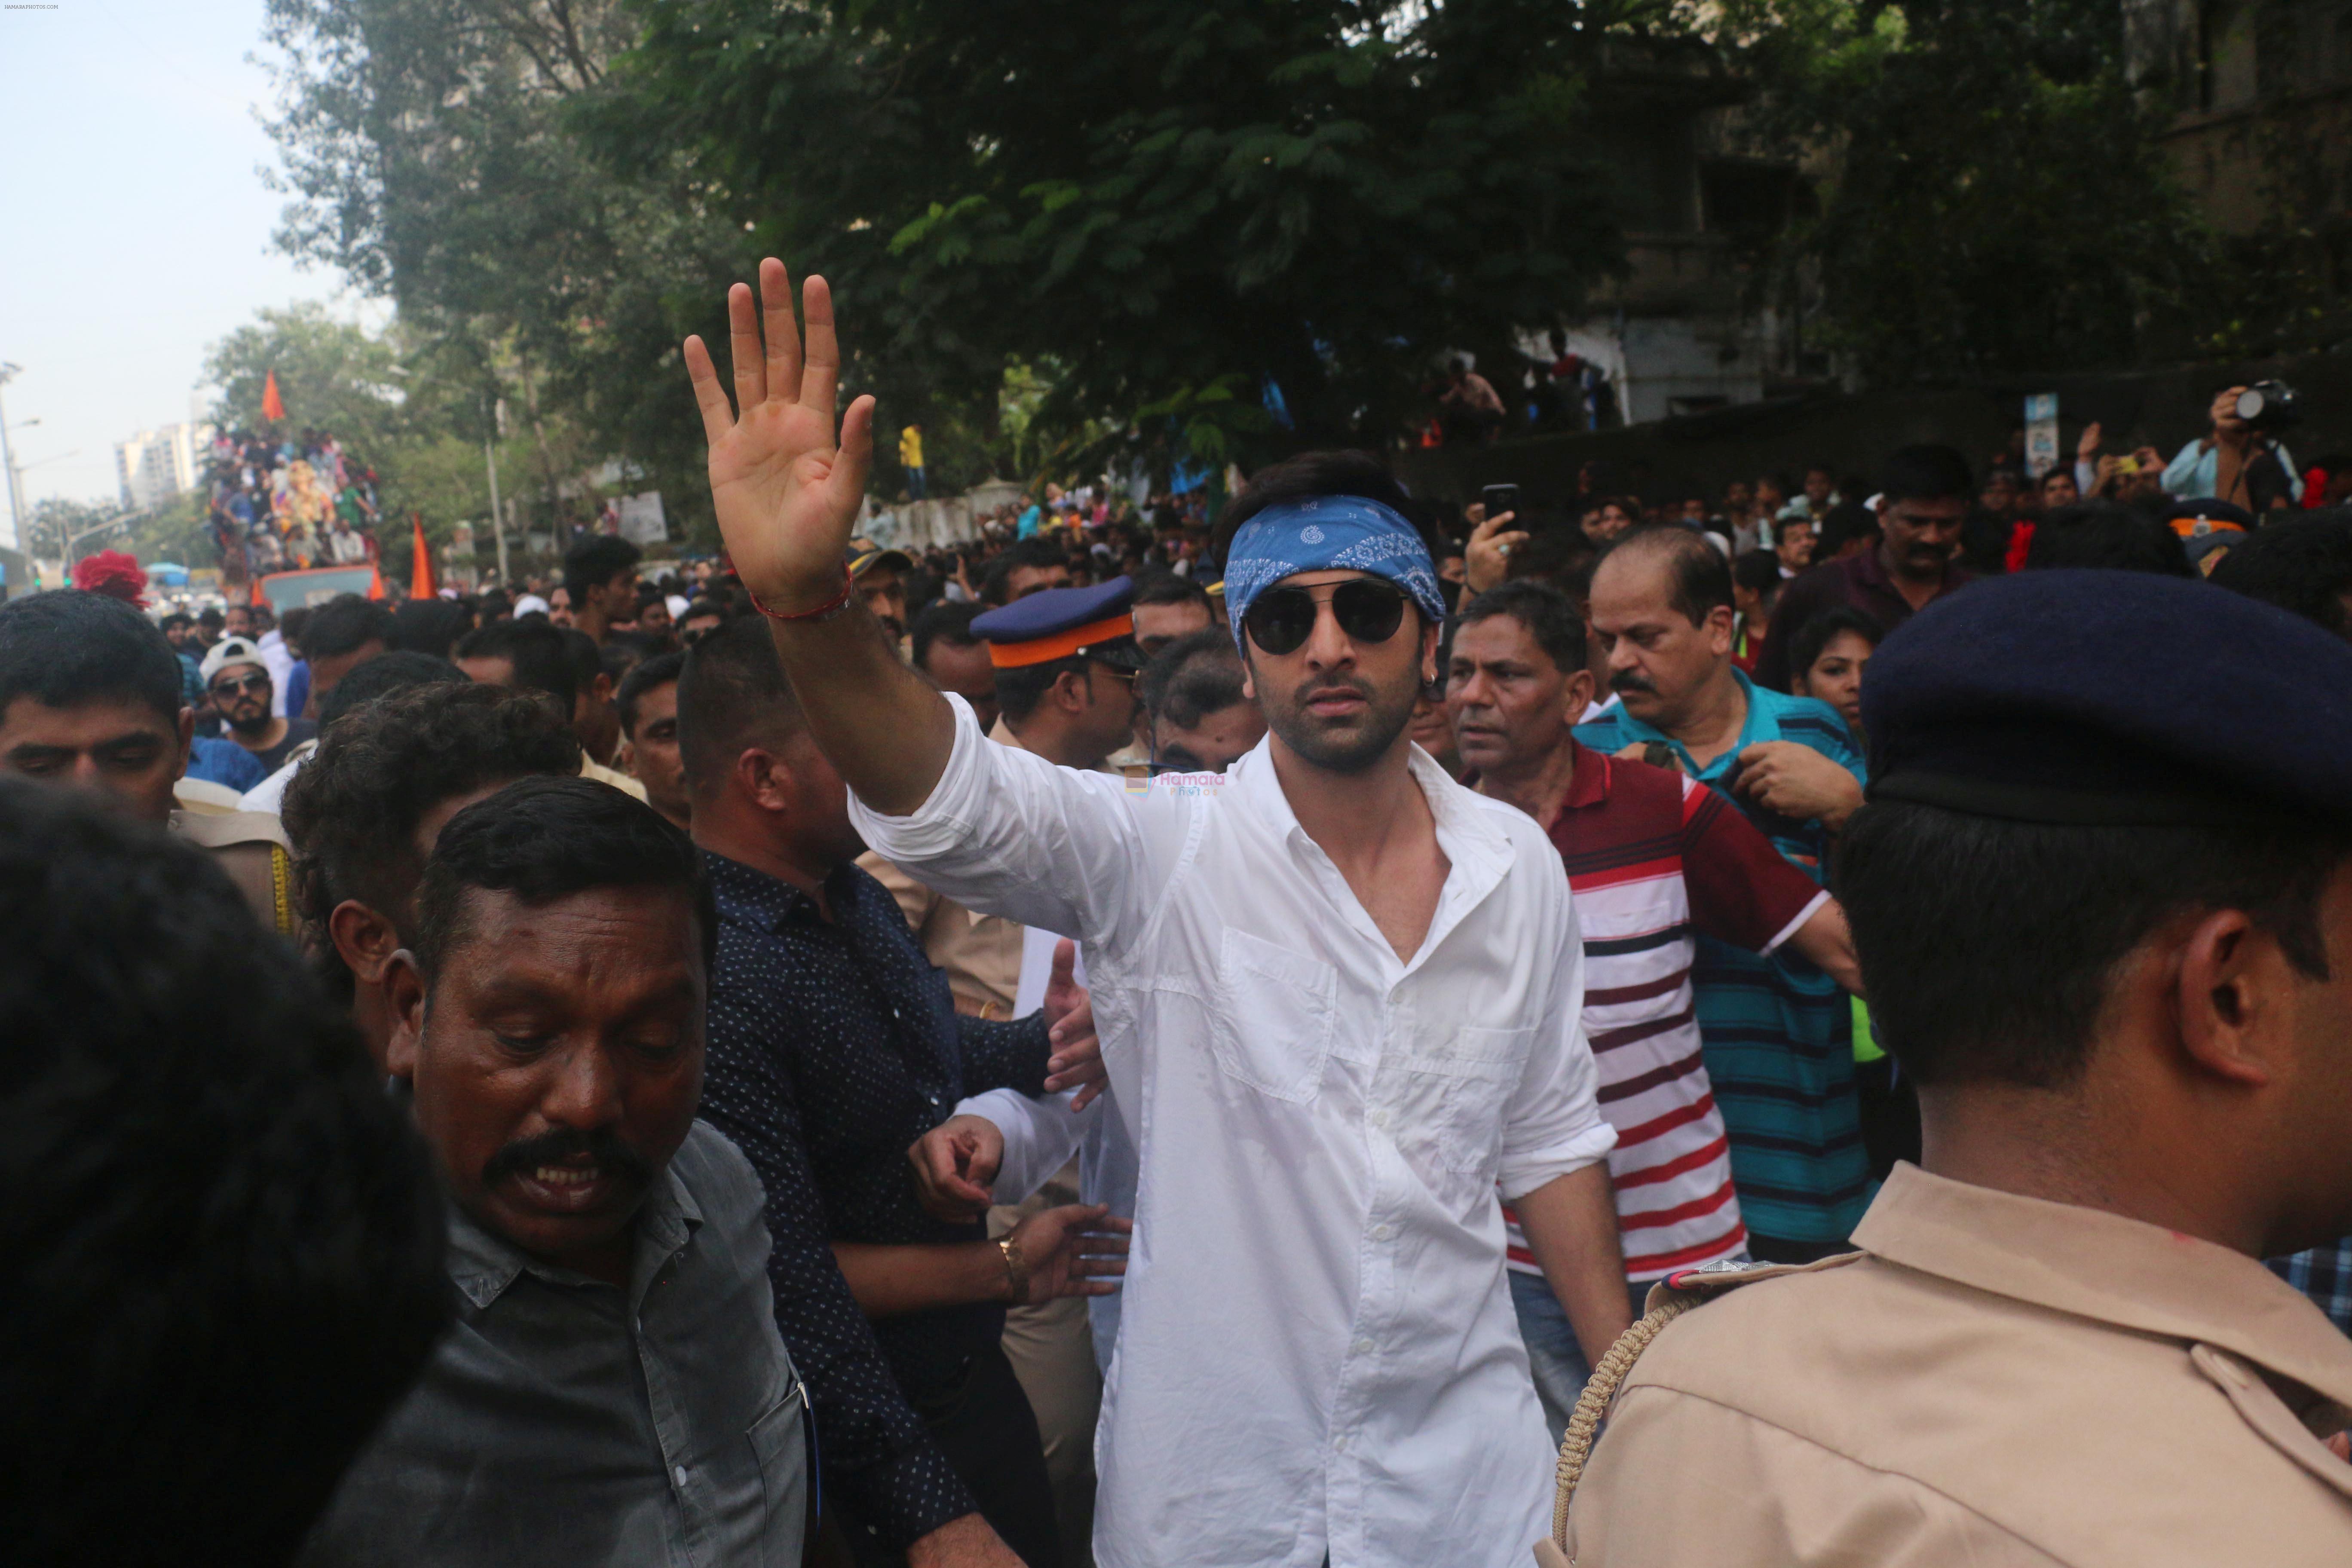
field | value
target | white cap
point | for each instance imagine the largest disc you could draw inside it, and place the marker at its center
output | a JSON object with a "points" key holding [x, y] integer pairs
{"points": [[530, 604], [228, 651]]}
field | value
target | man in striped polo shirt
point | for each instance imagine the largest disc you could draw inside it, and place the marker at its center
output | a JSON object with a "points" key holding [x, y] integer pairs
{"points": [[1653, 857], [1780, 1038]]}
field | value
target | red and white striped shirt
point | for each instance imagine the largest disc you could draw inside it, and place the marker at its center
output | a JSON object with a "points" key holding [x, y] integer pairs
{"points": [[1653, 857]]}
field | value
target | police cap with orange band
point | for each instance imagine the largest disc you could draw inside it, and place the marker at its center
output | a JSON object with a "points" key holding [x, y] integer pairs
{"points": [[1097, 623]]}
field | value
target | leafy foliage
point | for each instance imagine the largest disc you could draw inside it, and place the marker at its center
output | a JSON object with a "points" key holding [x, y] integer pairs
{"points": [[428, 153], [1998, 201], [1170, 202]]}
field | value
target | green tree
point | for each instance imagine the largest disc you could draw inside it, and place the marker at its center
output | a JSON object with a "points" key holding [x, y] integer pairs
{"points": [[1172, 202], [1995, 198], [429, 159]]}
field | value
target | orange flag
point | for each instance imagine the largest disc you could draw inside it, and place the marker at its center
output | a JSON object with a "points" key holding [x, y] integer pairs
{"points": [[272, 406], [375, 581], [420, 566]]}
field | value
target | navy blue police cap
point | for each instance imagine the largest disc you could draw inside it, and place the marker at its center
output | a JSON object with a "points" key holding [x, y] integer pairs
{"points": [[2111, 698], [1060, 623]]}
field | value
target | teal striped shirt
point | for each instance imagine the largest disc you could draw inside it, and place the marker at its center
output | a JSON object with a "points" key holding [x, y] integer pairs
{"points": [[1777, 1032]]}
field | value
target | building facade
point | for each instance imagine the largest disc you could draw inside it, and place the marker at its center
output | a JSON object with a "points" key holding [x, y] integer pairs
{"points": [[154, 466]]}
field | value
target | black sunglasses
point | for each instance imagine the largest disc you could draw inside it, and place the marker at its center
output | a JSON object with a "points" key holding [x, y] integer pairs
{"points": [[1280, 620], [254, 682]]}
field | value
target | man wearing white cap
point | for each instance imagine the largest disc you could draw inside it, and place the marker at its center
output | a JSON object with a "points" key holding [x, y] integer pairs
{"points": [[236, 678]]}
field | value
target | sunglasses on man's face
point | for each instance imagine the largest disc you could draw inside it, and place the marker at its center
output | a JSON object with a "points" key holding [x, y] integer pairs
{"points": [[1280, 620], [256, 683]]}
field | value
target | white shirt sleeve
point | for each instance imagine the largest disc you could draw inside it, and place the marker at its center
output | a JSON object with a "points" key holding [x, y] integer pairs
{"points": [[1007, 833], [1040, 1136], [1554, 1126]]}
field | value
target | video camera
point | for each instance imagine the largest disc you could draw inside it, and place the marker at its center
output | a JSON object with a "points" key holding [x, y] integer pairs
{"points": [[2270, 406]]}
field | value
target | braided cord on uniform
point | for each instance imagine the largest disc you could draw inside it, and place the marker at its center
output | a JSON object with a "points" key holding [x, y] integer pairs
{"points": [[1576, 1446], [281, 890]]}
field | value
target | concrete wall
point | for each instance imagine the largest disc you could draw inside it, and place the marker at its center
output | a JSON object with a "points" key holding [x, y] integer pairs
{"points": [[1700, 455]]}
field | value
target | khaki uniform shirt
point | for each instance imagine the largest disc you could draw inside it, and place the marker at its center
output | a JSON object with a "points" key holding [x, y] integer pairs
{"points": [[251, 847], [1994, 1380], [980, 955]]}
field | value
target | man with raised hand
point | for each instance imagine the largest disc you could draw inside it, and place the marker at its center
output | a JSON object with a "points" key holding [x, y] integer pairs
{"points": [[1347, 988]]}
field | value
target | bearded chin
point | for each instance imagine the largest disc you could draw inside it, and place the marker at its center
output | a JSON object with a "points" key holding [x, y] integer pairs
{"points": [[1350, 749]]}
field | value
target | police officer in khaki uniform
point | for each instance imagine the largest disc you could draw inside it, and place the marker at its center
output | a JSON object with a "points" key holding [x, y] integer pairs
{"points": [[1066, 664], [90, 697], [2103, 899]]}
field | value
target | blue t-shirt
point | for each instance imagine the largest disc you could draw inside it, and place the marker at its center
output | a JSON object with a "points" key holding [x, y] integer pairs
{"points": [[1776, 1031], [221, 760]]}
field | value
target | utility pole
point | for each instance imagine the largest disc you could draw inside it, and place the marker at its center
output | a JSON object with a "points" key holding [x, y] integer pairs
{"points": [[490, 458], [8, 460]]}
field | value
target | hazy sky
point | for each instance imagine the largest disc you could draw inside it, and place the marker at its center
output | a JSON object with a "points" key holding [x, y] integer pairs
{"points": [[134, 228]]}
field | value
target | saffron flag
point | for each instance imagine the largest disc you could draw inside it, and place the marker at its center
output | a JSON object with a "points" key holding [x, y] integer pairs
{"points": [[272, 406], [420, 566]]}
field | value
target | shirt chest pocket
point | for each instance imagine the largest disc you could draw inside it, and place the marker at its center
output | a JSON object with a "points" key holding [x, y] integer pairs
{"points": [[1456, 1099], [1272, 1022]]}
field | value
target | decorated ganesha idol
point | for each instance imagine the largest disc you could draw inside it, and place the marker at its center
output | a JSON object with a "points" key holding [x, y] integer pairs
{"points": [[303, 504]]}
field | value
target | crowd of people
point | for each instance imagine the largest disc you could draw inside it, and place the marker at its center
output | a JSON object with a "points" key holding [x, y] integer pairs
{"points": [[288, 503], [1152, 1039]]}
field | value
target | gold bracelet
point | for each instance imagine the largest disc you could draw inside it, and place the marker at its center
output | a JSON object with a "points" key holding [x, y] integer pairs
{"points": [[1017, 1270]]}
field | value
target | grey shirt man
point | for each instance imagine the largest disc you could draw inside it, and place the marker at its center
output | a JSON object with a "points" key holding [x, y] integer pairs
{"points": [[561, 1423]]}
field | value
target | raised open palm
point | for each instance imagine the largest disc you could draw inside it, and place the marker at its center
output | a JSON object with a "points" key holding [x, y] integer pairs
{"points": [[786, 492]]}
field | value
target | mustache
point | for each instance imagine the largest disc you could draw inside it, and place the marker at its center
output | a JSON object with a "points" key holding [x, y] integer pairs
{"points": [[1632, 680], [603, 1145]]}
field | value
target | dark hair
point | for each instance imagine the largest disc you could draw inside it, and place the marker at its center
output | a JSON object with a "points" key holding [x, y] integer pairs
{"points": [[1310, 474], [662, 669], [353, 810], [1021, 689], [1926, 473], [1845, 522], [395, 671], [222, 1246], [2303, 567], [1700, 576], [547, 838], [731, 692], [430, 626], [1805, 645], [596, 561], [1549, 616], [620, 653], [344, 625], [947, 621], [1165, 587], [1198, 674], [1969, 984], [706, 605], [996, 583], [177, 618], [1758, 572], [291, 630], [64, 649], [587, 659], [2102, 534], [536, 648]]}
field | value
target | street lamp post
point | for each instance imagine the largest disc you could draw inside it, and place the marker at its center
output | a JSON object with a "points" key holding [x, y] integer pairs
{"points": [[490, 458], [8, 460], [119, 520]]}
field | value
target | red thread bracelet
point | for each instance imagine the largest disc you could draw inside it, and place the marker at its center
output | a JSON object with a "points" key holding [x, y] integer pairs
{"points": [[848, 584]]}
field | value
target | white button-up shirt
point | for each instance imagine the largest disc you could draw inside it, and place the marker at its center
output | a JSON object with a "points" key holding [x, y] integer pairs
{"points": [[1317, 1351]]}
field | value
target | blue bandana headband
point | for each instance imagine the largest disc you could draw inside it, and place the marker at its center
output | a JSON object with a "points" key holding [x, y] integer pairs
{"points": [[1328, 534]]}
